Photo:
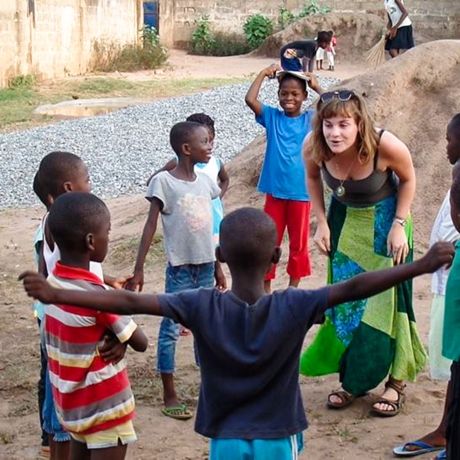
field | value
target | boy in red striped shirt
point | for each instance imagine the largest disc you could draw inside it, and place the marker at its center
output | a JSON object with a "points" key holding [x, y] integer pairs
{"points": [[93, 397]]}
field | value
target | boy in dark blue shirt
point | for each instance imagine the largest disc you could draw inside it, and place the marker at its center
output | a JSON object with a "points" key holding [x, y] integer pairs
{"points": [[248, 342]]}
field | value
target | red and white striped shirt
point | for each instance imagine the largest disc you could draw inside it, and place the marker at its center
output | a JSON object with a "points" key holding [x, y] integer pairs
{"points": [[90, 394]]}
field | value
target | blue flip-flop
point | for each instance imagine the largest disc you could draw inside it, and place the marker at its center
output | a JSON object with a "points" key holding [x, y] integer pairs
{"points": [[442, 455], [421, 448]]}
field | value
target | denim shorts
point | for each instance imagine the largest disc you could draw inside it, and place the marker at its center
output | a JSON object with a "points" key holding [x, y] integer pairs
{"points": [[179, 278], [51, 423]]}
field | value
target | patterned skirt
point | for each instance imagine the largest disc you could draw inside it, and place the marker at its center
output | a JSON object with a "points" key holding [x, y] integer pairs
{"points": [[364, 340]]}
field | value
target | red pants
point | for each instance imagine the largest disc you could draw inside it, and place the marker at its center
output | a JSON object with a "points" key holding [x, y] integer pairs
{"points": [[295, 215]]}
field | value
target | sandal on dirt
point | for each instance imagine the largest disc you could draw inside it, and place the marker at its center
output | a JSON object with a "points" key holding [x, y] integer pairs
{"points": [[345, 399], [395, 406], [442, 455], [179, 412], [415, 448]]}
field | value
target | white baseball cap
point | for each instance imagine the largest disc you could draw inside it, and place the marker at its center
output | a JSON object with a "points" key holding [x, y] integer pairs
{"points": [[300, 75]]}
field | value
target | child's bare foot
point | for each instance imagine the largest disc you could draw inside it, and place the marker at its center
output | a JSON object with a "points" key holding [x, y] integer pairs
{"points": [[184, 332]]}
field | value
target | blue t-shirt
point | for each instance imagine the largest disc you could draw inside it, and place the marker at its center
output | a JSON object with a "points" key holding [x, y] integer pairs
{"points": [[249, 358], [283, 170]]}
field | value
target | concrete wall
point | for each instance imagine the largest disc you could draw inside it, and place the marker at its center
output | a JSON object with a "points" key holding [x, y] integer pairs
{"points": [[52, 38], [432, 18]]}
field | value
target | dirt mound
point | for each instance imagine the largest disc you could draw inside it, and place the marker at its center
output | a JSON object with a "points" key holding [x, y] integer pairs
{"points": [[414, 97], [356, 33]]}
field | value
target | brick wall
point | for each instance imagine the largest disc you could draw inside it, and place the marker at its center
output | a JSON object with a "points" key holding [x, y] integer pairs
{"points": [[432, 18], [57, 37]]}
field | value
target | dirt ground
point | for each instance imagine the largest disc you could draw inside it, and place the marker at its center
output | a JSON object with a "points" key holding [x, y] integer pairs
{"points": [[347, 434]]}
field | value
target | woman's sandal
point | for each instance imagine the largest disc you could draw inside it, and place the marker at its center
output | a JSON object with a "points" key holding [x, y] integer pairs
{"points": [[345, 399], [395, 406]]}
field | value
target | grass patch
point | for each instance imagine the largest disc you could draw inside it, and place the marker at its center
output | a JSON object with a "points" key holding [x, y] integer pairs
{"points": [[96, 86], [124, 251], [17, 104]]}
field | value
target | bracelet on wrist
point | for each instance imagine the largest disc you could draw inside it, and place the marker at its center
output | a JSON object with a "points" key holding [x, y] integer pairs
{"points": [[400, 221]]}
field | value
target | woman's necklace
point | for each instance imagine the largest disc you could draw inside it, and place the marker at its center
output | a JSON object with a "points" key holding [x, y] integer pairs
{"points": [[340, 190]]}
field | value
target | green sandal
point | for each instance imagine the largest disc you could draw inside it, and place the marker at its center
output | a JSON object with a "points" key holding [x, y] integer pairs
{"points": [[180, 412]]}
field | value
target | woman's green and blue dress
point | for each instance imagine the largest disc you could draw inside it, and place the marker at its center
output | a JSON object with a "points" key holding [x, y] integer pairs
{"points": [[364, 340]]}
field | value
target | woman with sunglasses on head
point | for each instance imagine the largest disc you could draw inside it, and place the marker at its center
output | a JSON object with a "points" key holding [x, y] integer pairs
{"points": [[372, 178]]}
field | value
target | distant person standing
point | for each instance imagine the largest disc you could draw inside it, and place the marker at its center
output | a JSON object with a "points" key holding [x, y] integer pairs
{"points": [[400, 35], [330, 50], [300, 55]]}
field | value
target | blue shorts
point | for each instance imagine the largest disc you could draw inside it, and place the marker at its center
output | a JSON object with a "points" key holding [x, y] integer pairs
{"points": [[256, 449]]}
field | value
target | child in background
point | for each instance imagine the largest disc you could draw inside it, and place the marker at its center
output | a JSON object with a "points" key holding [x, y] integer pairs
{"points": [[451, 332], [59, 173], [38, 310], [183, 198], [214, 168], [300, 54], [92, 396], [330, 50], [319, 57], [250, 403], [443, 230], [283, 172]]}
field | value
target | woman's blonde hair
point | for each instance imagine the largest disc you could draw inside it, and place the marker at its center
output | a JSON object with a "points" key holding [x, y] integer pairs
{"points": [[367, 138]]}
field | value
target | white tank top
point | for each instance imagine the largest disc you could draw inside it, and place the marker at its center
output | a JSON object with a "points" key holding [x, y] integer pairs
{"points": [[52, 256], [395, 13]]}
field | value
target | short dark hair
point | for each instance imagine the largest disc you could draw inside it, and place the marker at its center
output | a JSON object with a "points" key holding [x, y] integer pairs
{"points": [[73, 215], [323, 37], [247, 238], [57, 168], [40, 189], [180, 134], [203, 119]]}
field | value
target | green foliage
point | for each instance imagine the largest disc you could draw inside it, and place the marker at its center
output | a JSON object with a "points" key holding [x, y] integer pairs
{"points": [[312, 7], [202, 37], [22, 82], [150, 54], [257, 28], [209, 43], [285, 17], [229, 44], [150, 36]]}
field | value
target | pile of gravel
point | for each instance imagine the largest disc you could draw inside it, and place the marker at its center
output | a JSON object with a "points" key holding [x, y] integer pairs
{"points": [[122, 148]]}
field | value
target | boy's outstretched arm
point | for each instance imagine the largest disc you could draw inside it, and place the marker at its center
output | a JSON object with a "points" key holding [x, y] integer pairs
{"points": [[150, 227], [118, 301], [252, 96], [371, 283]]}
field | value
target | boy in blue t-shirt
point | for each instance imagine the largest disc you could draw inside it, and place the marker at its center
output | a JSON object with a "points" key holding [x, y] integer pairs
{"points": [[248, 342], [282, 178]]}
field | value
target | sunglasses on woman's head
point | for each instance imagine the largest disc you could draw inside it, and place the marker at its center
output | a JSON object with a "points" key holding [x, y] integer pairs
{"points": [[343, 95]]}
